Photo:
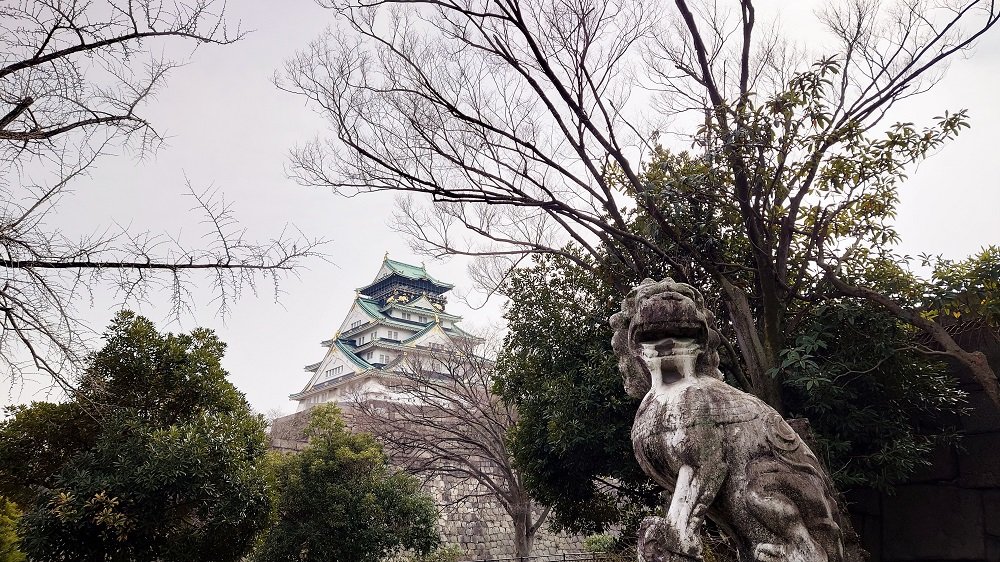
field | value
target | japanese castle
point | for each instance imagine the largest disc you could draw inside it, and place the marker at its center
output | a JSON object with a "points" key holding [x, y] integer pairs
{"points": [[398, 317]]}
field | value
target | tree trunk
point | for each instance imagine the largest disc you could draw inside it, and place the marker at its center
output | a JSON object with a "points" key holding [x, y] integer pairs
{"points": [[760, 358], [524, 535]]}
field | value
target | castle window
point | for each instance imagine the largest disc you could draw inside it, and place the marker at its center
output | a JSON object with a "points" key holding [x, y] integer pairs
{"points": [[355, 324], [422, 318], [406, 315]]}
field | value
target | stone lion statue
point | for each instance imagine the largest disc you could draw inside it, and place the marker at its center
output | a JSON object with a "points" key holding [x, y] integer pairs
{"points": [[722, 453]]}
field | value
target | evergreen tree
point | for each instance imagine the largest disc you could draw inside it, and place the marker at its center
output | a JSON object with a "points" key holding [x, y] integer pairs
{"points": [[155, 457], [340, 501]]}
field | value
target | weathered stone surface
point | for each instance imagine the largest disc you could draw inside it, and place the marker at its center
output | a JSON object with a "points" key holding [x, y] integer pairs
{"points": [[287, 433], [869, 528], [724, 453], [943, 465], [992, 549], [954, 534], [481, 527], [865, 507], [936, 520], [864, 500], [979, 462], [991, 512], [983, 415]]}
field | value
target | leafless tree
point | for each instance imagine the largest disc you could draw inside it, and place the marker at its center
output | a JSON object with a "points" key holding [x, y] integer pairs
{"points": [[445, 422], [75, 76], [527, 124]]}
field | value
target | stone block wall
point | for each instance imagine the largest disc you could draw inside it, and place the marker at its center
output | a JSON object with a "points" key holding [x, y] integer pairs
{"points": [[478, 524], [470, 518], [949, 511]]}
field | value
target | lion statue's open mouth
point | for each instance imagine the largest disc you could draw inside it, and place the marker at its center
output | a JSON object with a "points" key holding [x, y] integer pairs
{"points": [[663, 319], [669, 318]]}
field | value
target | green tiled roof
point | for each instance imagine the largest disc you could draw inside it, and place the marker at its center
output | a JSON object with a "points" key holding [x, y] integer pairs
{"points": [[426, 329], [349, 353], [413, 272], [424, 311], [461, 332], [371, 307]]}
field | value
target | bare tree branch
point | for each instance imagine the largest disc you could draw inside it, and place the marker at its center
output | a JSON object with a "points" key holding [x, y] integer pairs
{"points": [[446, 422], [74, 80], [519, 124]]}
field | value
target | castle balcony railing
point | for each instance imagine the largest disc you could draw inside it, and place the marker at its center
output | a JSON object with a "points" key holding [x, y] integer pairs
{"points": [[370, 344], [326, 384], [355, 329]]}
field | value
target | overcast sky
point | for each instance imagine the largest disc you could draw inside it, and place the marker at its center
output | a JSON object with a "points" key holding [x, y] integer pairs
{"points": [[230, 127]]}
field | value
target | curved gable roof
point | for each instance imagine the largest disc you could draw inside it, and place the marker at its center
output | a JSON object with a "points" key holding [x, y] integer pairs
{"points": [[422, 334], [349, 353], [412, 272]]}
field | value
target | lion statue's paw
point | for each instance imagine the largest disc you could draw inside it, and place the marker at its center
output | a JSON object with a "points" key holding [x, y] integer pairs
{"points": [[659, 541], [769, 553]]}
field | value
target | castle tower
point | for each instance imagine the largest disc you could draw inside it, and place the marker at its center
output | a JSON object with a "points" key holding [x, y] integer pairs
{"points": [[395, 319], [394, 325]]}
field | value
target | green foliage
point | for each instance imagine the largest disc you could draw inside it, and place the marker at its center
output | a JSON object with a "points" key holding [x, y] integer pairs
{"points": [[161, 458], [792, 143], [9, 540], [574, 418], [876, 406], [340, 501], [966, 290], [64, 429], [443, 553], [812, 186], [599, 543]]}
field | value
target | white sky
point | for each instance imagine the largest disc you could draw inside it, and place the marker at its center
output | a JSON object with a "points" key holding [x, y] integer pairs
{"points": [[231, 127]]}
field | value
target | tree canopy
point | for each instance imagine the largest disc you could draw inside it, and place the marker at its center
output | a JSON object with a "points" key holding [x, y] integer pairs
{"points": [[156, 457], [522, 124], [340, 501], [571, 440], [876, 404], [9, 540]]}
